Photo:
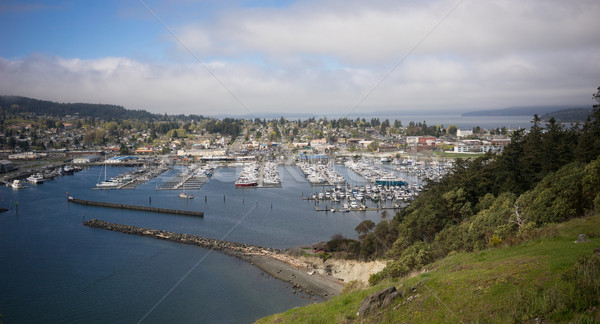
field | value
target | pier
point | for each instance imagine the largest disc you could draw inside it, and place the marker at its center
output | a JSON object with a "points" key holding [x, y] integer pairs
{"points": [[133, 207]]}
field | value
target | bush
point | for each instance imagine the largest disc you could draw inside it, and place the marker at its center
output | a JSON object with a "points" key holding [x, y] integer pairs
{"points": [[495, 241], [392, 269]]}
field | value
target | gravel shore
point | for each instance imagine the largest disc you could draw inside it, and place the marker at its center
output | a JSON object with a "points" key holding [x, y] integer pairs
{"points": [[272, 261], [300, 277]]}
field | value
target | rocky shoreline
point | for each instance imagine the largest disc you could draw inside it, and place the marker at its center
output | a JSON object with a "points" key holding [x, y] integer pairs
{"points": [[272, 261]]}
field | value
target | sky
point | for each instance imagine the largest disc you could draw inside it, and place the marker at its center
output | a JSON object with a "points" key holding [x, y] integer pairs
{"points": [[325, 57]]}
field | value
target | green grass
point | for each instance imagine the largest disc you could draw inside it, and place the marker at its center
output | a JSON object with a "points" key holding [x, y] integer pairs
{"points": [[518, 283]]}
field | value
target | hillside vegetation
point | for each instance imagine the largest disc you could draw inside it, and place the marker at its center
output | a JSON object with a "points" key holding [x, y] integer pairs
{"points": [[546, 176], [550, 278]]}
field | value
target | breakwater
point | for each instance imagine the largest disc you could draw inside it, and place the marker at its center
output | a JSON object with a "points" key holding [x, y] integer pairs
{"points": [[133, 207], [230, 248]]}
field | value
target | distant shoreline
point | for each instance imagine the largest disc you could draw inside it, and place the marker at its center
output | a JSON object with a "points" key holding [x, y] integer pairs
{"points": [[272, 261]]}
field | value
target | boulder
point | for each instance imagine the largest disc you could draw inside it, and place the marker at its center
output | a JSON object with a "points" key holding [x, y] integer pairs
{"points": [[375, 300], [391, 297], [582, 238]]}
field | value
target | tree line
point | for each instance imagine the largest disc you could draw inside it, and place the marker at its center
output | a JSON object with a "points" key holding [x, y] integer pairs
{"points": [[549, 174]]}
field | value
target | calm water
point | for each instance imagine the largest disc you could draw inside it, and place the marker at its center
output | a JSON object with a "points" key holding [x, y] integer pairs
{"points": [[55, 270], [462, 122]]}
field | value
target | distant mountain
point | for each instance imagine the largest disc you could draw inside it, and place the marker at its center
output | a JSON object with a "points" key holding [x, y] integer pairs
{"points": [[571, 115], [15, 104], [517, 111]]}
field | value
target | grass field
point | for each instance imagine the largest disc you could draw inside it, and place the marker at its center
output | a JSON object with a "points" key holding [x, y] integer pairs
{"points": [[540, 280]]}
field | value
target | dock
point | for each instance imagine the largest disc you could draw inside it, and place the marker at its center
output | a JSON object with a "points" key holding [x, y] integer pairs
{"points": [[354, 209], [133, 207]]}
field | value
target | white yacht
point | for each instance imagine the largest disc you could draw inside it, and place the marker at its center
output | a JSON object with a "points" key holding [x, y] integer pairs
{"points": [[36, 178], [17, 184]]}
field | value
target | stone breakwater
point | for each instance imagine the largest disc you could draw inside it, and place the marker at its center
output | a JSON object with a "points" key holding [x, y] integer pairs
{"points": [[272, 261], [230, 248]]}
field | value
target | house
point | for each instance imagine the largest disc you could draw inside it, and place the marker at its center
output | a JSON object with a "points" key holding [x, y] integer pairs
{"points": [[318, 142]]}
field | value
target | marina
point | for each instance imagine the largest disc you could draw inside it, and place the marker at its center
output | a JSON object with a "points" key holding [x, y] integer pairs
{"points": [[129, 180], [273, 217], [259, 175], [321, 173], [190, 178]]}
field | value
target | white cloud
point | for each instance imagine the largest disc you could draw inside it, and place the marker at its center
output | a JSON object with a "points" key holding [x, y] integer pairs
{"points": [[324, 57], [366, 33]]}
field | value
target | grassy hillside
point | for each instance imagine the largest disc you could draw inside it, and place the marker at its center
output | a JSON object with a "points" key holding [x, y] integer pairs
{"points": [[549, 278]]}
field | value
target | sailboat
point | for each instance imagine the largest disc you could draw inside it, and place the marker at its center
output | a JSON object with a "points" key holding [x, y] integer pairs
{"points": [[107, 183]]}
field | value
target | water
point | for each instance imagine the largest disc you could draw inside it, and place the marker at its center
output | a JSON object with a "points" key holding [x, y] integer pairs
{"points": [[462, 122], [53, 269]]}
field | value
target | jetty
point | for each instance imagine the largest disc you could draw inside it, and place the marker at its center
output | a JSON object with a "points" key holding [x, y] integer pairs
{"points": [[227, 247], [270, 260], [133, 207]]}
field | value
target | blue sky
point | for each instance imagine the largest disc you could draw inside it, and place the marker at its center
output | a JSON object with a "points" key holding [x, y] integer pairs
{"points": [[327, 56]]}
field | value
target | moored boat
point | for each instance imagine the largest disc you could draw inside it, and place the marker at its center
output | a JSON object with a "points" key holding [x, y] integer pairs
{"points": [[186, 196], [36, 178], [246, 183], [17, 184]]}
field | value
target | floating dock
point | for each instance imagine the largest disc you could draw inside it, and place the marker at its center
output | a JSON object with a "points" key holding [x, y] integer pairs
{"points": [[132, 207]]}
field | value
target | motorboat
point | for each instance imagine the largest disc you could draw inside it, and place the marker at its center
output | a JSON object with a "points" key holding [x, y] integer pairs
{"points": [[36, 178], [17, 184], [186, 196]]}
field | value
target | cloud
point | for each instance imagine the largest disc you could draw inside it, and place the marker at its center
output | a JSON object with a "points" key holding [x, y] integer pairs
{"points": [[326, 57], [188, 88], [366, 33]]}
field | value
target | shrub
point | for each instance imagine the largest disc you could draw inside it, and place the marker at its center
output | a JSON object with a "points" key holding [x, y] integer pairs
{"points": [[392, 269], [495, 241]]}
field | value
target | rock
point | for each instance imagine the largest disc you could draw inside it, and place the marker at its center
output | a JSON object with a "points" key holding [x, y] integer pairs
{"points": [[582, 238], [374, 301], [409, 299], [389, 299]]}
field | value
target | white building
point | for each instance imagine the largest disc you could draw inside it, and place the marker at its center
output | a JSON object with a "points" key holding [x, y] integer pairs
{"points": [[463, 132]]}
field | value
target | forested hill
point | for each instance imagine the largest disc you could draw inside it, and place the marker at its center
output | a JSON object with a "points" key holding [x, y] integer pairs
{"points": [[14, 104], [548, 174], [572, 115]]}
